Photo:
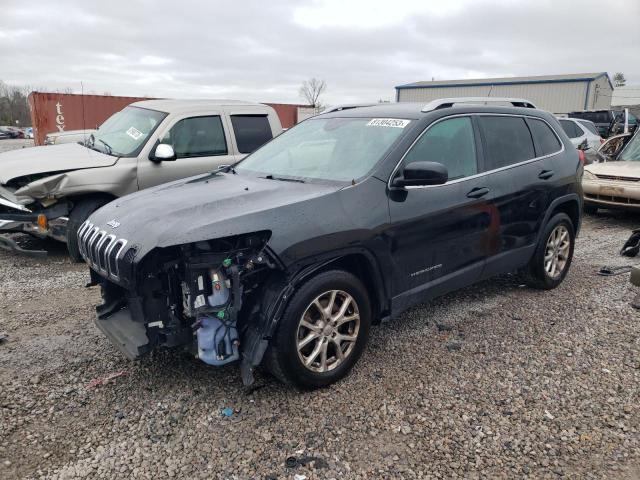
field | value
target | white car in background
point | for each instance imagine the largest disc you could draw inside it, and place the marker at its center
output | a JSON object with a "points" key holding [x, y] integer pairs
{"points": [[580, 130], [68, 136]]}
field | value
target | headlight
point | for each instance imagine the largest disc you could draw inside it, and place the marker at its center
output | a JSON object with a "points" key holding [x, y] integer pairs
{"points": [[49, 140], [589, 176]]}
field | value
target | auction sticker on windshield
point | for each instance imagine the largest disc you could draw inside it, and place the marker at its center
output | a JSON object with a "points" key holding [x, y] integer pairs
{"points": [[134, 133], [388, 122]]}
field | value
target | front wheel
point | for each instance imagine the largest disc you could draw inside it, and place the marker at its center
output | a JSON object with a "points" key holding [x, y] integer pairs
{"points": [[78, 215], [552, 258], [323, 331]]}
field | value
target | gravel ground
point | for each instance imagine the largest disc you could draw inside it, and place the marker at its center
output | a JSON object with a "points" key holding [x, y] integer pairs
{"points": [[494, 381], [15, 143]]}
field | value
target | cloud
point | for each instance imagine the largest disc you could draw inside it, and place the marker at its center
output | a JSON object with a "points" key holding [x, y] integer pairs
{"points": [[256, 50]]}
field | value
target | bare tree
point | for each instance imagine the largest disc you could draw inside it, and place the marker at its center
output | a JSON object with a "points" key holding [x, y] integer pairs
{"points": [[619, 80], [311, 90]]}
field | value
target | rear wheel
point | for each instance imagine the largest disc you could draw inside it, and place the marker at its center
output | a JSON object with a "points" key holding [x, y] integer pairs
{"points": [[323, 331], [552, 258], [78, 215]]}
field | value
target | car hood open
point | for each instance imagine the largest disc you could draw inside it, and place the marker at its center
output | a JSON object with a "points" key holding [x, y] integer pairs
{"points": [[622, 169], [53, 159], [216, 206]]}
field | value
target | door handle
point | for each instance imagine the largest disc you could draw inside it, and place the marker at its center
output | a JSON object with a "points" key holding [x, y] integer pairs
{"points": [[545, 174], [478, 192]]}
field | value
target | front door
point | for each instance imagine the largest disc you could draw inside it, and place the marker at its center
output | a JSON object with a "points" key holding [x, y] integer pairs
{"points": [[441, 235], [201, 144]]}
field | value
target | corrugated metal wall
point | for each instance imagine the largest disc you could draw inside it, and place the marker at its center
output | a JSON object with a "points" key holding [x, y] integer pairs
{"points": [[60, 112], [560, 97], [600, 93]]}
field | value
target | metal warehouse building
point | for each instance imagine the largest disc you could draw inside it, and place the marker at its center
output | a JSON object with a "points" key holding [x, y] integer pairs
{"points": [[555, 93]]}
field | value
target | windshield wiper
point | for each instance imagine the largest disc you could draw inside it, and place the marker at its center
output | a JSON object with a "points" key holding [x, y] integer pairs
{"points": [[224, 169], [109, 149], [271, 177]]}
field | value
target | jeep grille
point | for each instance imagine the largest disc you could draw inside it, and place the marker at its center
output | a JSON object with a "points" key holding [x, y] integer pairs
{"points": [[101, 250]]}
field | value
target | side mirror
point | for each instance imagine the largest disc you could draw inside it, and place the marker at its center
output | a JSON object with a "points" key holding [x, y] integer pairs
{"points": [[419, 174], [164, 153]]}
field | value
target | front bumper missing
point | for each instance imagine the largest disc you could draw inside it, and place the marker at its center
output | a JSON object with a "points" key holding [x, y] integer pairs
{"points": [[128, 336]]}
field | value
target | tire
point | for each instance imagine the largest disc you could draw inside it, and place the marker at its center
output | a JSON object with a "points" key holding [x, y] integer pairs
{"points": [[285, 361], [590, 209], [537, 272], [78, 215]]}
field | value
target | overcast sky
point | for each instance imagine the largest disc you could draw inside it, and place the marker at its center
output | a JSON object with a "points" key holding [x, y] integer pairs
{"points": [[263, 50]]}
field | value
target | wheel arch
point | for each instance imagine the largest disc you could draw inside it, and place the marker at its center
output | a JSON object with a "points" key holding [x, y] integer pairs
{"points": [[569, 204]]}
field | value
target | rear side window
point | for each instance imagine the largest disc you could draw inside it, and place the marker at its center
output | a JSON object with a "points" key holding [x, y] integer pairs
{"points": [[589, 126], [570, 128], [507, 141], [449, 142], [197, 137], [252, 131], [545, 140]]}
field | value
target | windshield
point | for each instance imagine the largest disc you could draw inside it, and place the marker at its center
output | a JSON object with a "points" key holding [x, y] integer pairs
{"points": [[125, 133], [631, 152], [335, 149]]}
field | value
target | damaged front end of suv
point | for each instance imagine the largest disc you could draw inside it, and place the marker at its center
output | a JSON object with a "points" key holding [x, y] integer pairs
{"points": [[205, 297]]}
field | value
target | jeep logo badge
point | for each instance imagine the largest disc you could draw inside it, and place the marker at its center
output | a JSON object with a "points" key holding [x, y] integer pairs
{"points": [[113, 224]]}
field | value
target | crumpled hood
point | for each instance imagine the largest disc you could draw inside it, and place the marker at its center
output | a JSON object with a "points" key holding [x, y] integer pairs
{"points": [[623, 169], [216, 206], [54, 158]]}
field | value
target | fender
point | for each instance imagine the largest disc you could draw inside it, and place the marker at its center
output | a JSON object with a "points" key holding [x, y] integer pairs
{"points": [[276, 296], [571, 197]]}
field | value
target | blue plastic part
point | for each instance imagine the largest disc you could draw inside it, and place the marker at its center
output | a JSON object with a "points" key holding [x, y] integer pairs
{"points": [[211, 333], [227, 412]]}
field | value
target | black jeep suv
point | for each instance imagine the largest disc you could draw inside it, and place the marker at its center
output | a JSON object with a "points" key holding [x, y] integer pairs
{"points": [[347, 219]]}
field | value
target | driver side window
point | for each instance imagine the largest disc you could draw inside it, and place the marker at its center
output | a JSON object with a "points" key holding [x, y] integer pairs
{"points": [[197, 137], [449, 142]]}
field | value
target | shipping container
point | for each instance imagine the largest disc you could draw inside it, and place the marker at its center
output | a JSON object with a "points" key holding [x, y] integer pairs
{"points": [[289, 114], [60, 112]]}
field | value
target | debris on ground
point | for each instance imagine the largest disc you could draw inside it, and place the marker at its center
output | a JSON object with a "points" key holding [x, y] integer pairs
{"points": [[227, 412], [105, 379]]}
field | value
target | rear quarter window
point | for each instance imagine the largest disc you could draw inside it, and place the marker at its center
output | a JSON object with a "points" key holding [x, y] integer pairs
{"points": [[570, 128], [546, 142], [507, 141], [590, 126], [251, 131]]}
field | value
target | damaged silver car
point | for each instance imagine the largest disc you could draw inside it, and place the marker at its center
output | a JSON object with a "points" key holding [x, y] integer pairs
{"points": [[50, 191]]}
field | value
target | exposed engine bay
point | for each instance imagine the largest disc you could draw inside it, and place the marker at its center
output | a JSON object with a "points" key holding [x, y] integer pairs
{"points": [[203, 297]]}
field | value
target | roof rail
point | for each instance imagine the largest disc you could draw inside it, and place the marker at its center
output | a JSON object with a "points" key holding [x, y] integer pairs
{"points": [[347, 106], [450, 102]]}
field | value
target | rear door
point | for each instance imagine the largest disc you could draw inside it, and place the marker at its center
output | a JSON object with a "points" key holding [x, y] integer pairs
{"points": [[521, 178], [441, 235], [201, 143]]}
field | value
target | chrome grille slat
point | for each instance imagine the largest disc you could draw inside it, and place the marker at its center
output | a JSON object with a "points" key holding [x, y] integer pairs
{"points": [[101, 250]]}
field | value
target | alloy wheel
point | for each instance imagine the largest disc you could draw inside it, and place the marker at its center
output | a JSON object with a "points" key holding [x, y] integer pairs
{"points": [[328, 330], [557, 250]]}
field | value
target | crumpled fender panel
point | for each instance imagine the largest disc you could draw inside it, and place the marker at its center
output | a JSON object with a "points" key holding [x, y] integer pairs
{"points": [[117, 180]]}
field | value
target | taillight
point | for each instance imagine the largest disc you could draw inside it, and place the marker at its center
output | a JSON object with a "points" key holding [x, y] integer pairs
{"points": [[581, 156], [601, 140]]}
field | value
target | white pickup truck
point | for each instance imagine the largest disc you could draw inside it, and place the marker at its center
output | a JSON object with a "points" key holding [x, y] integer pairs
{"points": [[49, 191]]}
